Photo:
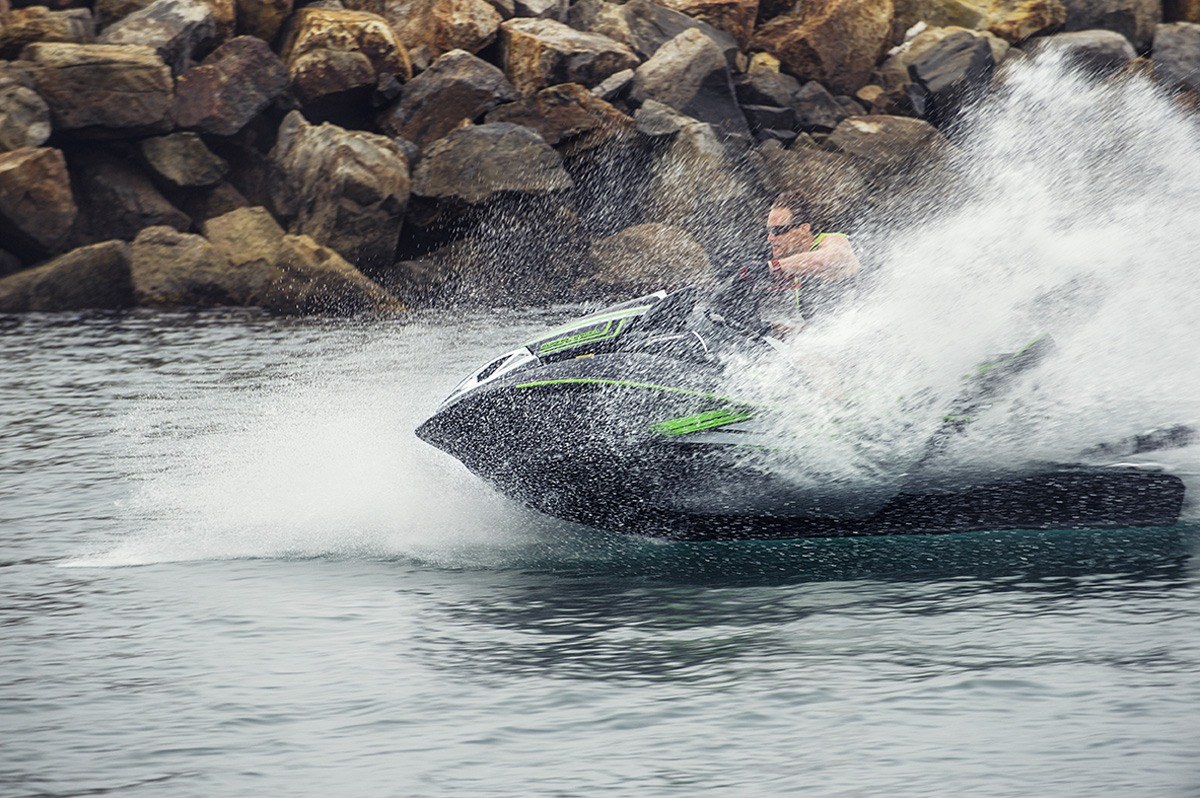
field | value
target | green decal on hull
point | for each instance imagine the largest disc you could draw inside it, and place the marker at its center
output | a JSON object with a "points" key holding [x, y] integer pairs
{"points": [[649, 386], [702, 421]]}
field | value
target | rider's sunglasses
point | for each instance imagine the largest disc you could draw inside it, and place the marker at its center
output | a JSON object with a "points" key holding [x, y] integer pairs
{"points": [[780, 229]]}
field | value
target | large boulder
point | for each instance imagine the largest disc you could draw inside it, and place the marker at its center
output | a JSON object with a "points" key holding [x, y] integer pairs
{"points": [[92, 277], [643, 258], [429, 28], [834, 41], [1177, 55], [345, 188], [948, 76], [473, 164], [39, 24], [651, 25], [262, 18], [690, 74], [833, 183], [541, 52], [337, 57], [456, 86], [102, 90], [24, 117], [117, 199], [735, 17], [37, 208], [1099, 52], [1017, 20], [568, 115], [1133, 19], [183, 160], [291, 274], [234, 84], [887, 147], [178, 30], [173, 269]]}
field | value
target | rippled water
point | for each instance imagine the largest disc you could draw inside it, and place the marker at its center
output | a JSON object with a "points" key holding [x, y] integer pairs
{"points": [[229, 569]]}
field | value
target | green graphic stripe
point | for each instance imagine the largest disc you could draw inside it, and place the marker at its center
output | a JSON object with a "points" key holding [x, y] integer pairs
{"points": [[590, 336], [588, 321], [649, 386], [702, 421]]}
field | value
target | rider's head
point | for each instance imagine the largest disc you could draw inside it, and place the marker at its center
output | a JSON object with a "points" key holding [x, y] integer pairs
{"points": [[789, 226]]}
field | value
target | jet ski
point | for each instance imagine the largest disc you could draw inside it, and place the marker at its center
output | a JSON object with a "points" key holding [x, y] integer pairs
{"points": [[619, 420]]}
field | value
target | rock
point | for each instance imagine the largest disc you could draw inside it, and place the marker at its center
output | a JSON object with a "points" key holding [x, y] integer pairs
{"points": [[645, 258], [887, 147], [346, 188], [657, 120], [1133, 19], [540, 52], [893, 73], [430, 28], [173, 269], [1181, 11], [831, 181], [1017, 20], [600, 16], [92, 277], [541, 9], [769, 118], [234, 84], [937, 14], [37, 208], [456, 86], [24, 118], [178, 30], [9, 263], [262, 18], [651, 25], [473, 164], [224, 14], [735, 17], [1177, 55], [567, 113], [116, 200], [614, 87], [39, 24], [764, 62], [1101, 52], [690, 74], [210, 202], [102, 90], [182, 159], [835, 41], [949, 75], [765, 87], [817, 109], [337, 56], [292, 274]]}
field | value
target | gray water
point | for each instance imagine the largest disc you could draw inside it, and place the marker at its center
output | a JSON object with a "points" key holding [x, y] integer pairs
{"points": [[228, 568]]}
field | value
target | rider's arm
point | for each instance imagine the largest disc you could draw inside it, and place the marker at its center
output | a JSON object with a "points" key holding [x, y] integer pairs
{"points": [[833, 259]]}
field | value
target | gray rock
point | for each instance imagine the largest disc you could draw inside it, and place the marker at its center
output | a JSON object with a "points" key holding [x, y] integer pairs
{"points": [[768, 117], [887, 147], [833, 182], [95, 276], [656, 120], [37, 208], [182, 159], [817, 109], [691, 75], [100, 90], [651, 26], [644, 258], [569, 115], [178, 30], [614, 87], [235, 83], [474, 164], [949, 75], [39, 24], [537, 53], [602, 17], [1133, 19], [117, 200], [456, 86], [766, 87], [541, 9], [1099, 52], [173, 269], [1177, 55], [24, 118], [346, 188]]}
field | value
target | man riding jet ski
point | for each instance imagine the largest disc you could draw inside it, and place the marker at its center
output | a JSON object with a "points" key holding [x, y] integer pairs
{"points": [[619, 420]]}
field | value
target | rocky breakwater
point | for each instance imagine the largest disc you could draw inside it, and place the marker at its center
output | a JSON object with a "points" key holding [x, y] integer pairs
{"points": [[365, 156]]}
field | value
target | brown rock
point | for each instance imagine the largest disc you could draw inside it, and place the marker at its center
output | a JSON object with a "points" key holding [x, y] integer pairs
{"points": [[834, 41], [937, 14], [102, 90], [735, 17], [24, 118], [832, 182], [39, 24], [208, 203], [456, 86], [178, 30], [887, 146], [233, 85], [1133, 19], [116, 200], [345, 188], [182, 159], [644, 258], [262, 18], [37, 208], [474, 163], [1017, 20], [429, 28], [567, 113], [1181, 11], [540, 52], [173, 269], [95, 276], [331, 53]]}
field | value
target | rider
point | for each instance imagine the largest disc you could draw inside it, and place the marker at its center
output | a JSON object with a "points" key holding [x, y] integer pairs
{"points": [[802, 275]]}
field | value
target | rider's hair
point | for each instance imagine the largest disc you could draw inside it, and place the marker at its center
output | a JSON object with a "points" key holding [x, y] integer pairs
{"points": [[802, 210]]}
